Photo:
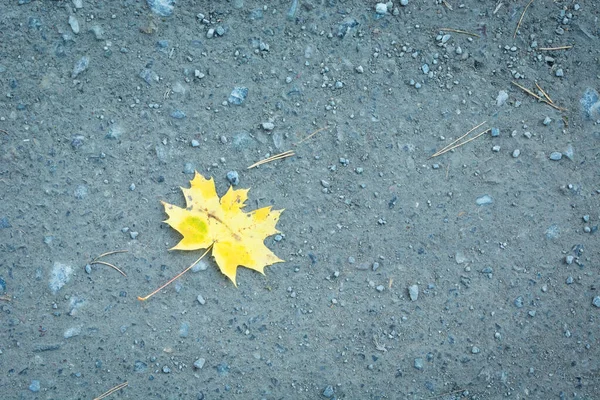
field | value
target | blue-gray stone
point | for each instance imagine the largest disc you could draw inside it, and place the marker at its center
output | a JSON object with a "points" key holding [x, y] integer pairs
{"points": [[495, 132], [418, 364], [189, 168], [164, 8], [222, 369], [425, 68], [184, 329], [163, 44], [80, 66], [484, 200], [149, 76], [233, 177], [555, 155], [2, 285], [596, 301], [328, 392], [4, 223], [35, 386], [178, 114], [590, 103], [519, 302], [140, 366], [238, 95], [552, 232]]}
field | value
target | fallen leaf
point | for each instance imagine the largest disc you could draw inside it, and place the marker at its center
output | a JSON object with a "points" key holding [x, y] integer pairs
{"points": [[237, 237]]}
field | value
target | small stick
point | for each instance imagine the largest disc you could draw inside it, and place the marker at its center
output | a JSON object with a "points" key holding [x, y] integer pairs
{"points": [[280, 156], [521, 19], [111, 391], [444, 148], [539, 98], [544, 93], [5, 297], [556, 48], [447, 5], [109, 265], [459, 31], [461, 144], [97, 260], [176, 276], [309, 136], [3, 131], [109, 253]]}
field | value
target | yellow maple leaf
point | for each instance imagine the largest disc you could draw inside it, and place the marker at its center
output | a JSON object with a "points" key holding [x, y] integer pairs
{"points": [[237, 238]]}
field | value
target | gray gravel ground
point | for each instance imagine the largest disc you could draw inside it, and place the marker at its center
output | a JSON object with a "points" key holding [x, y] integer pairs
{"points": [[471, 275]]}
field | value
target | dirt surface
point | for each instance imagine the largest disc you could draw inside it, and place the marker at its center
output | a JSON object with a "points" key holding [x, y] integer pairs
{"points": [[471, 275]]}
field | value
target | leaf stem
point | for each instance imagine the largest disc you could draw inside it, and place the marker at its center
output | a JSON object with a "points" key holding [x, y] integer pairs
{"points": [[176, 276]]}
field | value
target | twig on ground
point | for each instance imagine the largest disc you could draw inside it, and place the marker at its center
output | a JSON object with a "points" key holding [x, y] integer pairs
{"points": [[176, 276], [459, 31], [544, 93], [3, 131], [447, 147], [538, 97], [97, 260], [111, 391], [5, 297], [521, 19], [311, 135], [280, 156], [556, 48]]}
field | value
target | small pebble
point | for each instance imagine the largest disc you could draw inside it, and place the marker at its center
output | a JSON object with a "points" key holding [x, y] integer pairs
{"points": [[569, 280], [484, 200], [199, 363], [413, 292], [547, 121], [233, 177], [238, 95], [596, 301], [268, 126], [404, 3], [381, 8], [360, 69], [495, 132], [184, 329], [516, 153], [74, 23], [188, 168], [35, 386], [559, 73], [380, 288], [496, 148], [328, 392], [166, 369], [475, 350], [132, 187], [531, 313], [519, 302], [80, 66], [418, 363], [586, 218], [195, 143], [133, 235], [569, 260], [201, 299], [555, 156], [502, 97]]}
